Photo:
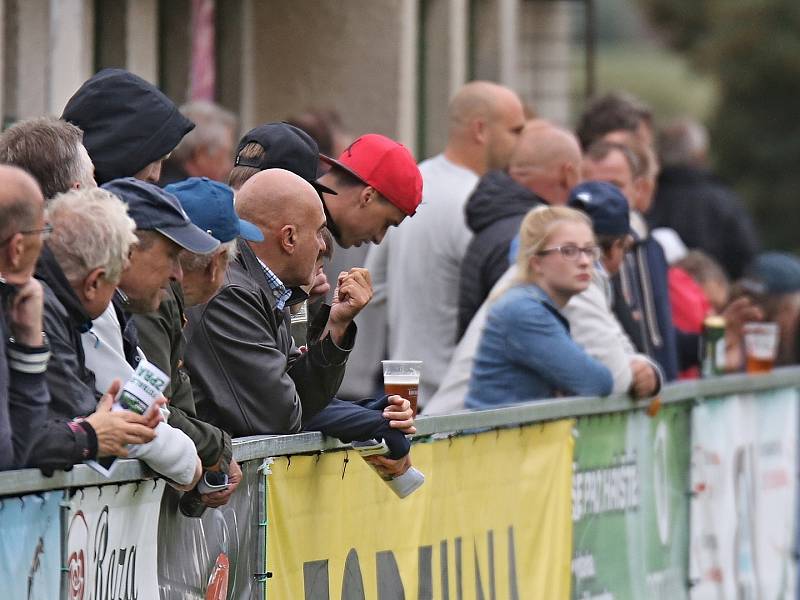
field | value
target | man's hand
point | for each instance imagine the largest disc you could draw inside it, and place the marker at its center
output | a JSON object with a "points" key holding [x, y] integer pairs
{"points": [[320, 287], [400, 415], [645, 378], [737, 313], [388, 467], [353, 292], [25, 314], [217, 499], [116, 429]]}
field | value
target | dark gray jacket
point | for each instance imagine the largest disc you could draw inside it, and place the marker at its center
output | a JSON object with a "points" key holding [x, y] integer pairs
{"points": [[247, 375], [23, 393], [161, 338]]}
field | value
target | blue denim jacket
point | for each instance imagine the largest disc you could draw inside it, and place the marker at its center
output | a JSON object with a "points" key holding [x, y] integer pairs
{"points": [[526, 353]]}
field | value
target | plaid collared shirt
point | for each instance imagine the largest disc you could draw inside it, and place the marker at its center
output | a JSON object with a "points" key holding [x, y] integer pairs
{"points": [[279, 291]]}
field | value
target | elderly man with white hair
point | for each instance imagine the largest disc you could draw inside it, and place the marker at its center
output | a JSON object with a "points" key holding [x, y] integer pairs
{"points": [[79, 269]]}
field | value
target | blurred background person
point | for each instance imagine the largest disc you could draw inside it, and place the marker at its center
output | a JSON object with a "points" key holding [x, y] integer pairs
{"points": [[420, 263], [207, 150], [690, 199], [544, 167]]}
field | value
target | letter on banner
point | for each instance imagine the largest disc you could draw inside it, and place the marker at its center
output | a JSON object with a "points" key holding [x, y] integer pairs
{"points": [[112, 534]]}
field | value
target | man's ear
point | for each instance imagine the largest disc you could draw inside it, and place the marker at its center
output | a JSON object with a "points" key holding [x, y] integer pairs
{"points": [[366, 196], [217, 264], [15, 249], [91, 282], [570, 176], [644, 193], [480, 130], [288, 238]]}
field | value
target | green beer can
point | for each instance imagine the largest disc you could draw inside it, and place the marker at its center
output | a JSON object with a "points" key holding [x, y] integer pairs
{"points": [[713, 347]]}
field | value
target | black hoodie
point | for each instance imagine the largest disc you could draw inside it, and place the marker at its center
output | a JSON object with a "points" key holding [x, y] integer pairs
{"points": [[127, 123], [493, 212]]}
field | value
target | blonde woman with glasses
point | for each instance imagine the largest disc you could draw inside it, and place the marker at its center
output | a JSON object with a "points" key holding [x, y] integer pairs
{"points": [[526, 352]]}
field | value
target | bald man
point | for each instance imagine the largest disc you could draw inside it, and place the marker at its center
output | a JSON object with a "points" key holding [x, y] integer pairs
{"points": [[23, 351], [422, 259], [247, 375], [544, 167]]}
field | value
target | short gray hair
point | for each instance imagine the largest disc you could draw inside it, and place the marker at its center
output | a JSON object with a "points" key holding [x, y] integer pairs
{"points": [[682, 142], [212, 123], [198, 262], [51, 150], [91, 229]]}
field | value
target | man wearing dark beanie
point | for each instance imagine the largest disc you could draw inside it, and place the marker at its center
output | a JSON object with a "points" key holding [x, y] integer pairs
{"points": [[129, 126]]}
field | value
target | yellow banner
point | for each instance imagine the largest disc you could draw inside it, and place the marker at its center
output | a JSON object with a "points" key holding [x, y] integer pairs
{"points": [[493, 520]]}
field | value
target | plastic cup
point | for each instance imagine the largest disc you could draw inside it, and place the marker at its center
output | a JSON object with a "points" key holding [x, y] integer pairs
{"points": [[761, 346], [401, 378]]}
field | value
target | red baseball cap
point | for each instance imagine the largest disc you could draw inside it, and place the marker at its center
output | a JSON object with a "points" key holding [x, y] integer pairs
{"points": [[387, 166]]}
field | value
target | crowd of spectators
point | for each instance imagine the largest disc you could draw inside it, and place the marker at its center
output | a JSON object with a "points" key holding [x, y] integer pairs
{"points": [[524, 262]]}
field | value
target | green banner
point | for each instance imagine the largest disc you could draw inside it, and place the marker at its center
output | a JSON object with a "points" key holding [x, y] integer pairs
{"points": [[631, 507]]}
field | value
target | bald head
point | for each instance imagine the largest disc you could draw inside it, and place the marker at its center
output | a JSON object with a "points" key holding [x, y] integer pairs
{"points": [[21, 200], [480, 100], [485, 121], [289, 213], [546, 160], [21, 221], [274, 197]]}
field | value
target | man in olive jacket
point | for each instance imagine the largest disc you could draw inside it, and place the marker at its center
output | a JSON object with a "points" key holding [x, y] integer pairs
{"points": [[247, 375]]}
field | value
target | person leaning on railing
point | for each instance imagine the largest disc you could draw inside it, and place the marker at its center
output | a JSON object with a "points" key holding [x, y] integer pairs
{"points": [[23, 349], [526, 352]]}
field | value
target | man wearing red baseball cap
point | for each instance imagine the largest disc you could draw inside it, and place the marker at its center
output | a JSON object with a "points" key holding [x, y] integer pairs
{"points": [[377, 185]]}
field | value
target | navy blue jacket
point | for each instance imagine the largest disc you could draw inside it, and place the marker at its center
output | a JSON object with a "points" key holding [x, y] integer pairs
{"points": [[642, 305], [359, 421]]}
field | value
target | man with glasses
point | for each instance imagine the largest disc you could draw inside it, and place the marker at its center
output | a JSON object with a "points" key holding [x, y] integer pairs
{"points": [[23, 348]]}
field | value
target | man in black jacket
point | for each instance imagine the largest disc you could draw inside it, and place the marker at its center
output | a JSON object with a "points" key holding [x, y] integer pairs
{"points": [[79, 269], [129, 126], [544, 167], [247, 375], [23, 348], [689, 199]]}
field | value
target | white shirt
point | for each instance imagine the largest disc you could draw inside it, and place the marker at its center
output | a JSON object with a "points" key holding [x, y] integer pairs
{"points": [[421, 260]]}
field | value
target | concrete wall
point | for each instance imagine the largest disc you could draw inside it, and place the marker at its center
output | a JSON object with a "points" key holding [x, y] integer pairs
{"points": [[345, 55], [544, 63]]}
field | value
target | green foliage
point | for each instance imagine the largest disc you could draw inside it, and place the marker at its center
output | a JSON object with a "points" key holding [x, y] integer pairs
{"points": [[753, 49]]}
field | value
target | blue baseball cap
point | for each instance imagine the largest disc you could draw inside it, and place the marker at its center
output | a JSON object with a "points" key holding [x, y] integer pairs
{"points": [[209, 205], [154, 209], [606, 206], [776, 272]]}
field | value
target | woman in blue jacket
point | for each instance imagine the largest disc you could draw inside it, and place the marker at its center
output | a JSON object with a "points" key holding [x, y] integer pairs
{"points": [[526, 352]]}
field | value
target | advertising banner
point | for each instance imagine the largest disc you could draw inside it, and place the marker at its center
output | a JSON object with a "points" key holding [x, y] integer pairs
{"points": [[744, 465], [111, 541], [630, 506], [30, 548], [492, 520], [211, 557]]}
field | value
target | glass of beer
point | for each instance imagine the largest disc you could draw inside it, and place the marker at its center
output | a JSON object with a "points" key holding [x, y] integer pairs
{"points": [[761, 346], [401, 377]]}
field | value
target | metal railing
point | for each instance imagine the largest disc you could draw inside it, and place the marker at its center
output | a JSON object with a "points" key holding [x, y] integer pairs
{"points": [[257, 447]]}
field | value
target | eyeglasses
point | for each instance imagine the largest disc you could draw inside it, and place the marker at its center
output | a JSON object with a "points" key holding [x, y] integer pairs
{"points": [[44, 232], [572, 252]]}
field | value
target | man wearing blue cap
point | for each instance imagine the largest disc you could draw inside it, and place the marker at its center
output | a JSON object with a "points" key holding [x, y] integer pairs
{"points": [[209, 205], [591, 320]]}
